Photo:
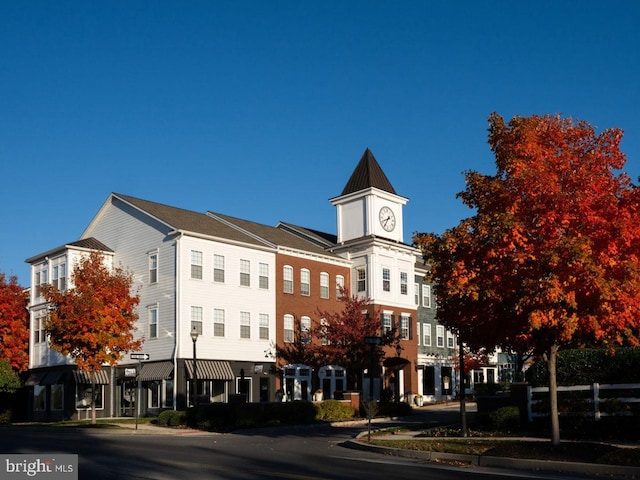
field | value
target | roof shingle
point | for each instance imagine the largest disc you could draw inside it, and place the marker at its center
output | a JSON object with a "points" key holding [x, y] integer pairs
{"points": [[367, 174]]}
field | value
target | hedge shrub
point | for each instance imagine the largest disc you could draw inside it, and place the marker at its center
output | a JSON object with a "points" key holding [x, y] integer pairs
{"points": [[334, 411], [172, 418], [296, 412], [589, 365], [505, 419]]}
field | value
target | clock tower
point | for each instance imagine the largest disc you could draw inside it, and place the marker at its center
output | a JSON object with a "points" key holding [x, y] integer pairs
{"points": [[369, 205], [369, 218]]}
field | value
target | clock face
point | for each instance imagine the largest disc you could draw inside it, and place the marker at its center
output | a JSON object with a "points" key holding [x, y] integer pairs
{"points": [[387, 219]]}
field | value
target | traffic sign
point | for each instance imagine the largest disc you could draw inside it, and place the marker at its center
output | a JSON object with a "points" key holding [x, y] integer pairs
{"points": [[373, 340], [139, 356]]}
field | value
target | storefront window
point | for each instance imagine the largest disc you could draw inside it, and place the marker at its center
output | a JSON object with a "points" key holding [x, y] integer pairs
{"points": [[57, 396], [39, 398]]}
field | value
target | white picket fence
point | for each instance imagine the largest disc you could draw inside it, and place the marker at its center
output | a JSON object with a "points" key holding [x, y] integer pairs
{"points": [[594, 399]]}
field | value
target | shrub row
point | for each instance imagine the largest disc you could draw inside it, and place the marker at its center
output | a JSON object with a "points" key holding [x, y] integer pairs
{"points": [[222, 417], [589, 365]]}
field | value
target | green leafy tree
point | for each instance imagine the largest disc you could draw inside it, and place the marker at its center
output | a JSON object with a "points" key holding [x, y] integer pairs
{"points": [[9, 380]]}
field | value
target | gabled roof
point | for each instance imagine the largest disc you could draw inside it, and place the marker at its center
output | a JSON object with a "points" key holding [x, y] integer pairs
{"points": [[190, 221], [89, 243], [276, 236], [323, 239], [366, 175]]}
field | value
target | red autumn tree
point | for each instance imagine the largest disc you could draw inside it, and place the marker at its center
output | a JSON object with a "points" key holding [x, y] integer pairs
{"points": [[472, 360], [551, 258], [94, 321], [14, 323], [340, 337], [300, 350]]}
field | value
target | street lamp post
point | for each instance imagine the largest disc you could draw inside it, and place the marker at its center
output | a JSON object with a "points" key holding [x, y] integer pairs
{"points": [[397, 374], [194, 338]]}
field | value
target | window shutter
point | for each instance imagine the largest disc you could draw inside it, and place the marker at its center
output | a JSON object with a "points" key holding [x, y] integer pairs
{"points": [[393, 322], [410, 328]]}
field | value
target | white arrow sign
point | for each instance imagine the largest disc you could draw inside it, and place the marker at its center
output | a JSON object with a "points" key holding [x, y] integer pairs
{"points": [[139, 356]]}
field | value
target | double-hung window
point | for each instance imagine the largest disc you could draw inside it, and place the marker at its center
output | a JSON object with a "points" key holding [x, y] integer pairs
{"points": [[39, 333], [305, 282], [324, 285], [218, 268], [59, 274], [439, 336], [386, 279], [153, 268], [339, 286], [426, 334], [362, 280], [288, 329], [426, 296], [218, 322], [153, 322], [387, 322], [264, 326], [404, 327], [196, 264], [404, 285], [263, 280], [305, 329], [196, 319], [450, 340], [245, 325], [245, 273], [287, 273]]}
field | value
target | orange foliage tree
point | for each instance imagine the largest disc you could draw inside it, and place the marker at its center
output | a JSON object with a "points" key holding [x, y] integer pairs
{"points": [[14, 323], [551, 257], [94, 321]]}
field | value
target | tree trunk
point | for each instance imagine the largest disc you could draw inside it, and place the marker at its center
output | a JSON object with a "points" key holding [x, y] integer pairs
{"points": [[93, 397], [553, 394]]}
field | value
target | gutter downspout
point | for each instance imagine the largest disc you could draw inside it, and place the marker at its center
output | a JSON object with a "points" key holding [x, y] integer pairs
{"points": [[176, 302]]}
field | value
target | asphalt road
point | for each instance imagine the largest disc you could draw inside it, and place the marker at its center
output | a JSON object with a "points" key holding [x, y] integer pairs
{"points": [[298, 453]]}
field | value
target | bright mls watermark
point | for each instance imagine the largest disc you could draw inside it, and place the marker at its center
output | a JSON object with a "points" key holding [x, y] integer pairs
{"points": [[53, 466]]}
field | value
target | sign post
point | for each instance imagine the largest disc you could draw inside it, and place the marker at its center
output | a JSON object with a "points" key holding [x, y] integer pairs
{"points": [[373, 342], [138, 356]]}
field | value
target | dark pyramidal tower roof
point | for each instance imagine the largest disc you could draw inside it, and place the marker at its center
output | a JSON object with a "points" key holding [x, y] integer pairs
{"points": [[366, 175]]}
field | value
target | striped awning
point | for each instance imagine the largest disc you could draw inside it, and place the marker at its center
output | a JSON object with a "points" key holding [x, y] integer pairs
{"points": [[151, 372], [211, 370], [85, 377]]}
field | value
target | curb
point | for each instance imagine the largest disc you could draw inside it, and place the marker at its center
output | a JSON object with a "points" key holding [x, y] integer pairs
{"points": [[499, 462]]}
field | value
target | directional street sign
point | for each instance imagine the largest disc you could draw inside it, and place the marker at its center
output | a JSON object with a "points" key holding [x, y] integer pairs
{"points": [[373, 340], [139, 356]]}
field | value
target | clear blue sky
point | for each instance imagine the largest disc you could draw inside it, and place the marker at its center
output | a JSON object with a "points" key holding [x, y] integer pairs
{"points": [[262, 109]]}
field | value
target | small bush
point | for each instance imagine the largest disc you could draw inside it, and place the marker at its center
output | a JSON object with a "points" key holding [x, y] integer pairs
{"points": [[214, 417], [6, 416], [172, 418], [393, 409], [296, 412], [334, 411], [505, 418]]}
